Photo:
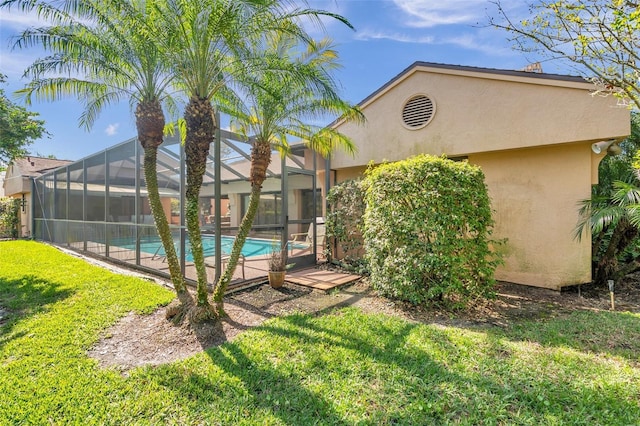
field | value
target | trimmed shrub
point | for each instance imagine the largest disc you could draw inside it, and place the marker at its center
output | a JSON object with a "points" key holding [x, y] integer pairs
{"points": [[427, 231], [344, 225]]}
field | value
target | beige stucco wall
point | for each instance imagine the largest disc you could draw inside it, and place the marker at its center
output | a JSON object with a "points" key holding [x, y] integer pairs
{"points": [[531, 137], [479, 113], [534, 194]]}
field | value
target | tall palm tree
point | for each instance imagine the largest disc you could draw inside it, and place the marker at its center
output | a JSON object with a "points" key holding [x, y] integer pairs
{"points": [[106, 53], [207, 41], [198, 38], [291, 91]]}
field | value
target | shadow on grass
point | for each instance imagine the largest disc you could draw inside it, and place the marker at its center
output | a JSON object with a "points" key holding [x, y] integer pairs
{"points": [[610, 333], [530, 395], [25, 297], [273, 389]]}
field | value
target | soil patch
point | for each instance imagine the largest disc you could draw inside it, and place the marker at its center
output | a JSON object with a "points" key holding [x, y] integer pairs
{"points": [[3, 315], [152, 340]]}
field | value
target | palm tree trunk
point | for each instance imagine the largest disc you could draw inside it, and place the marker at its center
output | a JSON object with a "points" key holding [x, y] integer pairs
{"points": [[160, 219], [260, 159], [608, 267], [150, 126], [236, 250], [200, 133]]}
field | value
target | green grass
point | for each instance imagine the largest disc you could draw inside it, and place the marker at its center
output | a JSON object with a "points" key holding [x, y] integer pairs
{"points": [[341, 368]]}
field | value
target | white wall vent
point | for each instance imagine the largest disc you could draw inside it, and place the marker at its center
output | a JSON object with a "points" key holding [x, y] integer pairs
{"points": [[418, 112]]}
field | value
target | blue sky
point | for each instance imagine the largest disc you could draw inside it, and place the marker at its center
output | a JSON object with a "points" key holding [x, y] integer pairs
{"points": [[389, 36]]}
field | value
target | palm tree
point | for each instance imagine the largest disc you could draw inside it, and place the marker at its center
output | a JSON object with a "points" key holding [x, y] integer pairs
{"points": [[288, 93], [614, 222], [198, 39], [207, 41], [105, 49]]}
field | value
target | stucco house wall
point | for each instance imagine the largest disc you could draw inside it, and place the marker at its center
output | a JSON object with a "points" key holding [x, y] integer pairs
{"points": [[17, 184], [530, 133]]}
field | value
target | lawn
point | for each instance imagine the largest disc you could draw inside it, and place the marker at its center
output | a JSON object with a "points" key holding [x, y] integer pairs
{"points": [[345, 367]]}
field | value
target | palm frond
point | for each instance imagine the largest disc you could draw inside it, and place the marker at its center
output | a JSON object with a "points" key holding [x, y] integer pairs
{"points": [[625, 193], [101, 52]]}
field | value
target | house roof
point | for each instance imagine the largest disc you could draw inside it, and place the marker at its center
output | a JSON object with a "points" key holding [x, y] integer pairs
{"points": [[36, 166]]}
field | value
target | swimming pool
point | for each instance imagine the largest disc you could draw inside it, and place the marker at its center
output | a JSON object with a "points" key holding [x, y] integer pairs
{"points": [[252, 246]]}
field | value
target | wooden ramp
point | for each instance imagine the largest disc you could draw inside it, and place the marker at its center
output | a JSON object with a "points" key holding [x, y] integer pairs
{"points": [[319, 279]]}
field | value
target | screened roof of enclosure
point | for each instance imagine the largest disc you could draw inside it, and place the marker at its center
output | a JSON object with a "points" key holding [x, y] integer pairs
{"points": [[99, 204]]}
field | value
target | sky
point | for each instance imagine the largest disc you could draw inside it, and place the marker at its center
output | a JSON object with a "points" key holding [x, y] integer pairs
{"points": [[389, 36]]}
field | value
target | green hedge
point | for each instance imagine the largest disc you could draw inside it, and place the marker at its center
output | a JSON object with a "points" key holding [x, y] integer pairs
{"points": [[427, 231]]}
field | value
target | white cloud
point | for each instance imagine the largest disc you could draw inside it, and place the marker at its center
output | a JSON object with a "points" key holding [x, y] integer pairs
{"points": [[14, 64], [112, 129], [402, 38], [430, 13], [473, 42], [478, 41], [18, 20]]}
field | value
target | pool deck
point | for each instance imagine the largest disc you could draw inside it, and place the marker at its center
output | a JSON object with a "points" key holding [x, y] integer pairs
{"points": [[250, 270]]}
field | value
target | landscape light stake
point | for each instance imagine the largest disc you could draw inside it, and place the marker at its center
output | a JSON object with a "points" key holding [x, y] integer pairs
{"points": [[613, 303]]}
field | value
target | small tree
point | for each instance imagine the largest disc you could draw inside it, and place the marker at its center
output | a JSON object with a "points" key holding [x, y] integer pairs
{"points": [[427, 228], [18, 127], [611, 215], [294, 86]]}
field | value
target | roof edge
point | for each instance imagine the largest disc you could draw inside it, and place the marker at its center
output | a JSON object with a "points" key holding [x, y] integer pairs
{"points": [[471, 69], [463, 69]]}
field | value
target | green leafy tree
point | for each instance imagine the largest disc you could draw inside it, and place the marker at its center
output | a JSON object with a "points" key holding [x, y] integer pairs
{"points": [[601, 37], [282, 98], [19, 128], [102, 52]]}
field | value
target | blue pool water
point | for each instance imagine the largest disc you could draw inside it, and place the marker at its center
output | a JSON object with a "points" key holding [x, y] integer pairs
{"points": [[252, 246]]}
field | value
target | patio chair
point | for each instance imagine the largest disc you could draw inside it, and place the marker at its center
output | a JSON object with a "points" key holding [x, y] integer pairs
{"points": [[304, 240]]}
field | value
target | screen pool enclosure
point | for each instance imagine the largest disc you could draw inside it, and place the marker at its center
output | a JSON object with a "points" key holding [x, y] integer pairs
{"points": [[99, 206]]}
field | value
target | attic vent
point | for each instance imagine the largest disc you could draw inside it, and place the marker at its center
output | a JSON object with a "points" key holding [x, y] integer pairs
{"points": [[418, 111]]}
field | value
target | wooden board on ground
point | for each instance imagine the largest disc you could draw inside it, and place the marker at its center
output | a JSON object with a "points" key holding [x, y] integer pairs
{"points": [[320, 279]]}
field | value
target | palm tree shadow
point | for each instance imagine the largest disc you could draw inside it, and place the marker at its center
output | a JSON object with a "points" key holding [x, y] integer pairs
{"points": [[616, 333], [270, 380], [24, 297]]}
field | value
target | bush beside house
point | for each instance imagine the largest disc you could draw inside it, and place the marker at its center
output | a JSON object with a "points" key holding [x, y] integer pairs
{"points": [[427, 229]]}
